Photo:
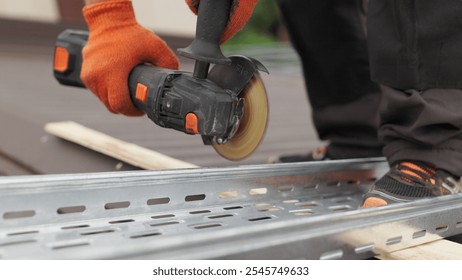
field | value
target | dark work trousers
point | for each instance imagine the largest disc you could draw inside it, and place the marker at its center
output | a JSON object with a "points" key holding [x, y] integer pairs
{"points": [[416, 53], [329, 36]]}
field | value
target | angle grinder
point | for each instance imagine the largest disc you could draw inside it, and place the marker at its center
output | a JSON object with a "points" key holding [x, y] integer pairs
{"points": [[227, 105]]}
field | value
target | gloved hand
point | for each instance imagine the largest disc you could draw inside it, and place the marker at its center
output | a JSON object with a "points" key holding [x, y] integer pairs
{"points": [[117, 44], [241, 10]]}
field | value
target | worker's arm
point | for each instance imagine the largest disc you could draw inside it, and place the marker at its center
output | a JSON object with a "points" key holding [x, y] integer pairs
{"points": [[117, 44]]}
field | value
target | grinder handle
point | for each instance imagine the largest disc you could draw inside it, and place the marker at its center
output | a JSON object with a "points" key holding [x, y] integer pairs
{"points": [[212, 19]]}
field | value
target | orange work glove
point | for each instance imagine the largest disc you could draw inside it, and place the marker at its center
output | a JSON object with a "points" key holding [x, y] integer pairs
{"points": [[117, 44], [241, 10]]}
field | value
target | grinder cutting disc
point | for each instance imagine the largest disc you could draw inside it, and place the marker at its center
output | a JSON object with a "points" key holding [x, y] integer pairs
{"points": [[253, 124]]}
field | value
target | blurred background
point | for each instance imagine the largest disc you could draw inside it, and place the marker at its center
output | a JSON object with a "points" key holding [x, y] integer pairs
{"points": [[164, 16], [30, 97]]}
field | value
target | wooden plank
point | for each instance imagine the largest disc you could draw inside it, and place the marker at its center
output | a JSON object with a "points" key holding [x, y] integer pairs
{"points": [[110, 146], [436, 250]]}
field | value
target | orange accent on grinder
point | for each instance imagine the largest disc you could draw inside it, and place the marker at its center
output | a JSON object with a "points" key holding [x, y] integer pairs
{"points": [[141, 92], [192, 123], [61, 61]]}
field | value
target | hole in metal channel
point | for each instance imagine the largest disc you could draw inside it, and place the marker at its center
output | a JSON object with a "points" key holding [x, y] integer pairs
{"points": [[121, 221], [157, 201], [302, 212], [273, 209], [364, 248], [19, 214], [293, 201], [419, 234], [165, 224], [441, 228], [260, 219], [331, 195], [145, 234], [286, 188], [233, 207], [75, 227], [258, 191], [163, 216], [332, 255], [195, 197], [262, 204], [199, 212], [205, 226], [342, 199], [340, 208], [97, 232], [333, 183], [117, 205], [71, 209], [70, 245], [17, 242], [311, 186], [394, 240], [230, 194], [23, 233], [221, 216], [308, 205], [459, 225], [354, 182]]}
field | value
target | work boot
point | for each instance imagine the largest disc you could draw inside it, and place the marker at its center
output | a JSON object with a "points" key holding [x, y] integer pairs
{"points": [[411, 180]]}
